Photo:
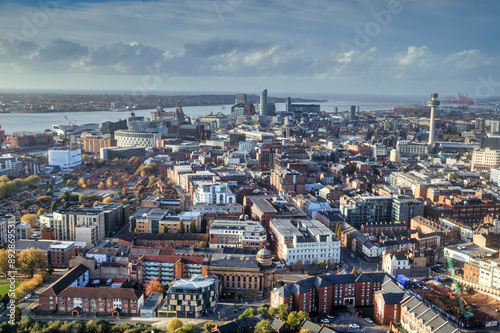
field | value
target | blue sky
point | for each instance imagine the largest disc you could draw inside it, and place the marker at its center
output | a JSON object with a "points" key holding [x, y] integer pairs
{"points": [[352, 46]]}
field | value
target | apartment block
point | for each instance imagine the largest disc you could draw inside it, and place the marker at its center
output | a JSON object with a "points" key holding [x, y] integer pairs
{"points": [[237, 234]]}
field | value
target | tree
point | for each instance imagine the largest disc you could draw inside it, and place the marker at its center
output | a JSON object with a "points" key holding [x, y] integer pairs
{"points": [[304, 330], [295, 319], [53, 206], [5, 299], [263, 326], [188, 328], [208, 327], [283, 310], [174, 323], [41, 211], [70, 182], [192, 227], [250, 312], [5, 262], [107, 200], [97, 326], [85, 157], [154, 286], [263, 311], [30, 219], [353, 270], [17, 313], [109, 182], [272, 312], [181, 229], [360, 271], [164, 229], [101, 186], [31, 261]]}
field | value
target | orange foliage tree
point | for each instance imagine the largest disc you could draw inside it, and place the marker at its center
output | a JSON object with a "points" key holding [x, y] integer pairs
{"points": [[154, 286]]}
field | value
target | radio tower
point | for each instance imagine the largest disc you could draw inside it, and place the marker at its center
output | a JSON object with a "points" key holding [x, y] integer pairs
{"points": [[432, 103]]}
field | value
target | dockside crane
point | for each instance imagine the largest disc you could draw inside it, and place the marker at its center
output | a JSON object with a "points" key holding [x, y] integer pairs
{"points": [[465, 313], [69, 121]]}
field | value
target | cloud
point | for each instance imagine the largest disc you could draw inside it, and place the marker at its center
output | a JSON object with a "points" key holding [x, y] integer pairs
{"points": [[62, 50]]}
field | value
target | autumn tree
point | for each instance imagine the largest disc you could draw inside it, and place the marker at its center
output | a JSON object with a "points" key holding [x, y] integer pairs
{"points": [[107, 200], [263, 326], [5, 262], [31, 261], [31, 219], [85, 157], [304, 330], [41, 211], [263, 311], [181, 229], [174, 324], [208, 327], [101, 186], [80, 182], [353, 270], [154, 286], [192, 227], [164, 229], [70, 182], [109, 182], [17, 314]]}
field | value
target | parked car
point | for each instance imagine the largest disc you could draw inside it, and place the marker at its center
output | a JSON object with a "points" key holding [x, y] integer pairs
{"points": [[369, 320], [353, 256], [27, 296], [325, 321], [354, 325], [331, 316]]}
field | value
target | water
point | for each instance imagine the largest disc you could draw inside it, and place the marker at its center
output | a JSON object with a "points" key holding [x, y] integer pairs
{"points": [[38, 122]]}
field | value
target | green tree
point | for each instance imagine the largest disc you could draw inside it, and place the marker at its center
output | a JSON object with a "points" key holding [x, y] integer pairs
{"points": [[295, 318], [49, 192], [263, 326], [181, 229], [188, 328], [174, 324], [85, 157], [250, 312], [70, 182], [283, 310], [31, 261], [5, 299], [272, 312], [17, 314], [53, 206], [164, 229], [263, 311], [97, 326], [208, 327], [192, 227]]}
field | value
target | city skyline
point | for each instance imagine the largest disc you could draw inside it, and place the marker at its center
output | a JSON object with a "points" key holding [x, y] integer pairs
{"points": [[359, 47]]}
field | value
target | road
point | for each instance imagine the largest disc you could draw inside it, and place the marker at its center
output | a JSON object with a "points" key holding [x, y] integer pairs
{"points": [[350, 263]]}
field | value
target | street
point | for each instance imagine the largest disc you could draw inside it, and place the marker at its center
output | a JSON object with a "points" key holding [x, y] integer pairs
{"points": [[350, 263]]}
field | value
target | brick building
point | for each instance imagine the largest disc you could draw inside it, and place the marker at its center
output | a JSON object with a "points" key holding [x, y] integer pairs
{"points": [[416, 317], [321, 293], [287, 180], [58, 253], [238, 234], [375, 229], [388, 300], [166, 268], [163, 240], [94, 145]]}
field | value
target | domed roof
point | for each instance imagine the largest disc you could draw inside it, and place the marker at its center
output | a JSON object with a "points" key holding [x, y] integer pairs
{"points": [[264, 254]]}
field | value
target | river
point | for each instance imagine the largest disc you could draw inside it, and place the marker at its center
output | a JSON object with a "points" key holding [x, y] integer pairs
{"points": [[38, 122]]}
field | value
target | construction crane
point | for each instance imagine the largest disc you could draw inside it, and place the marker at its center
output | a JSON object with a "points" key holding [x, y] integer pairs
{"points": [[465, 313], [4, 140], [69, 121]]}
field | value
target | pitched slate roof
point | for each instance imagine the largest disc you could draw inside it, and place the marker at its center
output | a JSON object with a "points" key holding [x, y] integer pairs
{"points": [[87, 292], [64, 281]]}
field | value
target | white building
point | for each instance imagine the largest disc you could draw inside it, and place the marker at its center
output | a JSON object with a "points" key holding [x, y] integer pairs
{"points": [[5, 220], [215, 193], [304, 241], [379, 149], [127, 138], [495, 176], [238, 234], [485, 159], [394, 262], [406, 147], [65, 158]]}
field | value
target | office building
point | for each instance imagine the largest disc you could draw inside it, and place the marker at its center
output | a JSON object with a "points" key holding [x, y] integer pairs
{"points": [[237, 234], [367, 209], [304, 241], [65, 158], [213, 193], [495, 176], [287, 180], [190, 298], [263, 103], [128, 138], [485, 159]]}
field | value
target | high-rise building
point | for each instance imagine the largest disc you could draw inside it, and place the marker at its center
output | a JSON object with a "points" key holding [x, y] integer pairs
{"points": [[263, 103], [432, 103], [241, 99], [352, 113]]}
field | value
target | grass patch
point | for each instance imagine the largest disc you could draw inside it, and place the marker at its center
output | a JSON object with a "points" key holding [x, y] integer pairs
{"points": [[5, 286], [367, 312]]}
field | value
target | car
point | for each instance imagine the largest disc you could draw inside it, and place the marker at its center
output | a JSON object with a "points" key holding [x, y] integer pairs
{"points": [[27, 296], [325, 321], [369, 320], [331, 316], [425, 288], [354, 325], [353, 256]]}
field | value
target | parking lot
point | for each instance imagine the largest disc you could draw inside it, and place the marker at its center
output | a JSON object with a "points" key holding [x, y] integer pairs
{"points": [[346, 321]]}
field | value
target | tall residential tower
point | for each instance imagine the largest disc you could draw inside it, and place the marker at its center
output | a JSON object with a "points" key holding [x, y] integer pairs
{"points": [[263, 103]]}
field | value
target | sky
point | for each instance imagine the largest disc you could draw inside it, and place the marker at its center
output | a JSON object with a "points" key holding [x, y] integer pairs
{"points": [[385, 47]]}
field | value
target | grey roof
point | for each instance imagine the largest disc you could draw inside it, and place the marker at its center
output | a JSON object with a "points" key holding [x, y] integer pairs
{"points": [[430, 317], [64, 281], [234, 260]]}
